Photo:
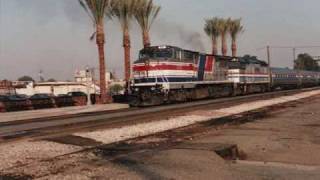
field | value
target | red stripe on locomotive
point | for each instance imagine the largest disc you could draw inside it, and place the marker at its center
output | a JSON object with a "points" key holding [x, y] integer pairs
{"points": [[209, 64], [188, 67]]}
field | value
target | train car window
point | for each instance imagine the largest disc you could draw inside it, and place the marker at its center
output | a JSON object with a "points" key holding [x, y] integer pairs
{"points": [[188, 56], [177, 55], [223, 64], [234, 65]]}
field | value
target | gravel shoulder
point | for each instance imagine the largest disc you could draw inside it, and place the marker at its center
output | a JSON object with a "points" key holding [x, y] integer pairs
{"points": [[56, 112]]}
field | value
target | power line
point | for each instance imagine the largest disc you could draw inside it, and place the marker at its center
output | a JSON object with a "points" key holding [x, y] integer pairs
{"points": [[261, 48], [297, 47], [288, 47], [293, 48]]}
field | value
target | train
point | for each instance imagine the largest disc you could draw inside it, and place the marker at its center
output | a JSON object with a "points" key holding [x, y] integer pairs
{"points": [[169, 74]]}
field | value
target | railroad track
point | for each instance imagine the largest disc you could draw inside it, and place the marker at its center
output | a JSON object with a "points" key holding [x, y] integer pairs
{"points": [[53, 126]]}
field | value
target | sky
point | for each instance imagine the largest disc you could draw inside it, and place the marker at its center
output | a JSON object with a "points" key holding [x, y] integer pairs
{"points": [[53, 35]]}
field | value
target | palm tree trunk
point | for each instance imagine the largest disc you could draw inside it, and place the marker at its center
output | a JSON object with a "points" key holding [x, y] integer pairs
{"points": [[126, 46], [146, 39], [102, 68], [214, 45], [224, 47], [234, 48]]}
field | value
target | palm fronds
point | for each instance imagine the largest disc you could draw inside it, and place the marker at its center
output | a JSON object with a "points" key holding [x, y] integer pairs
{"points": [[235, 28], [96, 9], [211, 27], [223, 26], [123, 10], [145, 14]]}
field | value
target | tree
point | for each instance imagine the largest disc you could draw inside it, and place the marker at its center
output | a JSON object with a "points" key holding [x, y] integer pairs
{"points": [[211, 29], [145, 14], [124, 10], [26, 78], [116, 89], [249, 57], [306, 62], [97, 10], [223, 25], [235, 28]]}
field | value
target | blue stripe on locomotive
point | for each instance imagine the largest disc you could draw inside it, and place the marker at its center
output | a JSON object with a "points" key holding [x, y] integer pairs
{"points": [[201, 67]]}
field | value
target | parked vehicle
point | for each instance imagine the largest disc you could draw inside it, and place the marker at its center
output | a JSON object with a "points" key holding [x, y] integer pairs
{"points": [[2, 104], [15, 102], [42, 100], [79, 98], [77, 94], [63, 100], [2, 107]]}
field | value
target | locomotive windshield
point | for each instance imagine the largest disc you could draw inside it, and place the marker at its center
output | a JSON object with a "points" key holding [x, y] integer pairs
{"points": [[156, 53], [168, 53]]}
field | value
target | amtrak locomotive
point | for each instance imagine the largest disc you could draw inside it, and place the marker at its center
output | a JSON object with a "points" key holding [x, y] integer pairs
{"points": [[166, 74]]}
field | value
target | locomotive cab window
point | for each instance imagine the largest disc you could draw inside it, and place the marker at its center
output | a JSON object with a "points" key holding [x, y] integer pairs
{"points": [[157, 54]]}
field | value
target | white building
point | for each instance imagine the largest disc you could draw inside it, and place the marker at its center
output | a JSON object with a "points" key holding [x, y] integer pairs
{"points": [[57, 88], [83, 76], [88, 75], [84, 82]]}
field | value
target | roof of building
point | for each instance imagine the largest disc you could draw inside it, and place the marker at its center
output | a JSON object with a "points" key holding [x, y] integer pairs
{"points": [[59, 83]]}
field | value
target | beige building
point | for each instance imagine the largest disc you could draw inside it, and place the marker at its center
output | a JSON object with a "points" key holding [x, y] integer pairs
{"points": [[6, 87]]}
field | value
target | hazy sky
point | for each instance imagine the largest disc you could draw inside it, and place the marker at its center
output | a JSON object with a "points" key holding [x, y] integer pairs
{"points": [[53, 35]]}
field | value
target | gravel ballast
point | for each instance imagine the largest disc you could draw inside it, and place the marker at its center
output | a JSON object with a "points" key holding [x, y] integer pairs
{"points": [[24, 152], [133, 131]]}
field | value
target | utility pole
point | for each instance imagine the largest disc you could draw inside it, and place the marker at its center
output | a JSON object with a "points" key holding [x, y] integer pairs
{"points": [[294, 64], [294, 54], [88, 86], [269, 68], [41, 79], [93, 74]]}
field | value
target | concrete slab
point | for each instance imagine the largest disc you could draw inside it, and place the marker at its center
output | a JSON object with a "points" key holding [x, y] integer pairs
{"points": [[45, 113]]}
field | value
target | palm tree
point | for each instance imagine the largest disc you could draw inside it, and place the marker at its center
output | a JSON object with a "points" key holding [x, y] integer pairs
{"points": [[211, 29], [223, 26], [96, 10], [235, 28], [124, 10], [145, 14]]}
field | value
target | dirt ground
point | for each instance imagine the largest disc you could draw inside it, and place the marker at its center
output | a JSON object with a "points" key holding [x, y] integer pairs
{"points": [[285, 144]]}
